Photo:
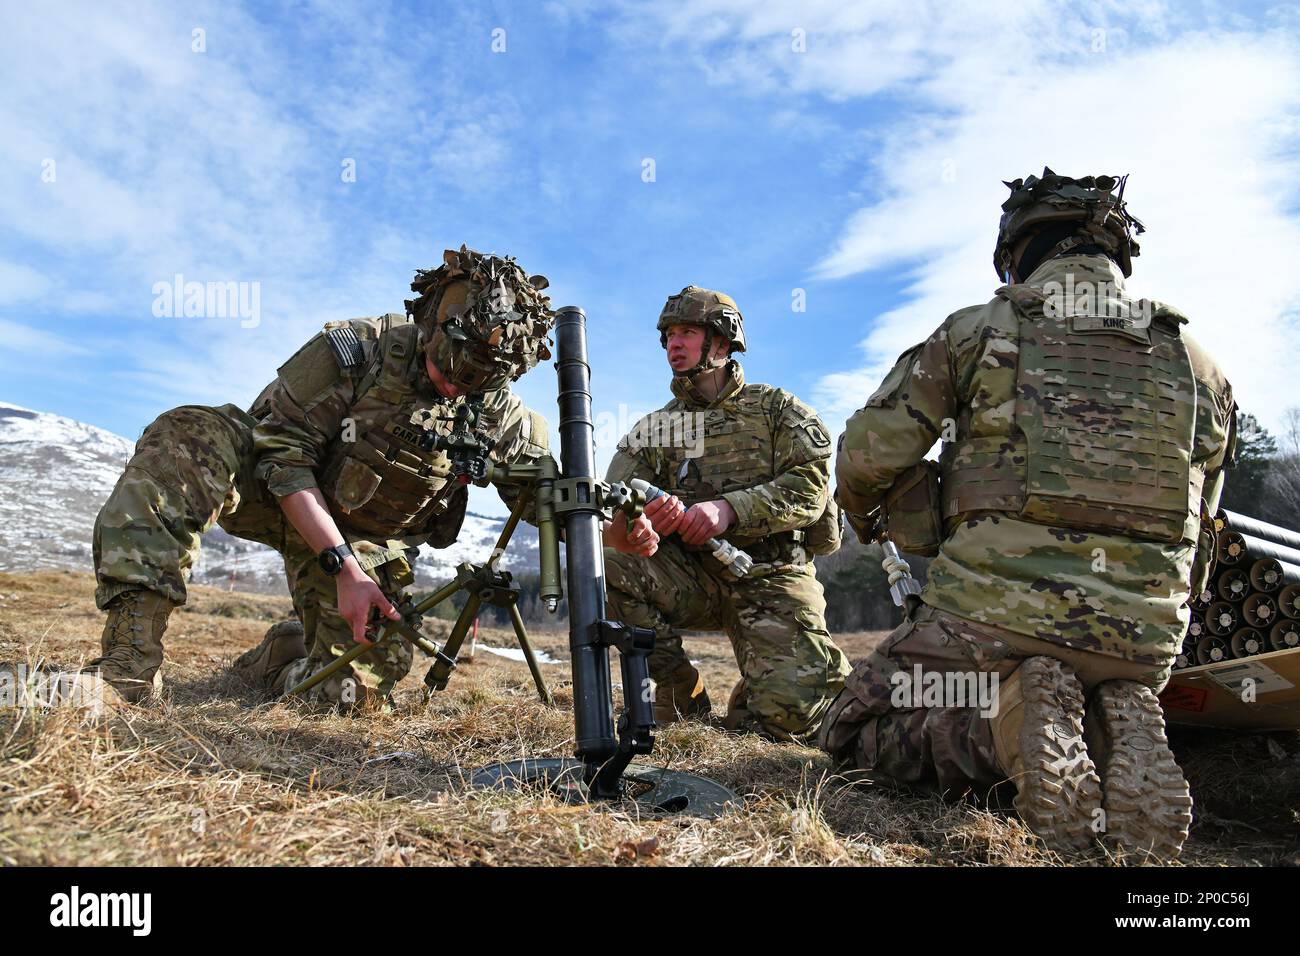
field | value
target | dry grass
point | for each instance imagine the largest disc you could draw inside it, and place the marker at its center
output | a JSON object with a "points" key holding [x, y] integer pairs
{"points": [[214, 775]]}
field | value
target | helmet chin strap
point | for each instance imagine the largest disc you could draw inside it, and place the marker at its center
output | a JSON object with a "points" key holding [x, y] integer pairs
{"points": [[705, 364]]}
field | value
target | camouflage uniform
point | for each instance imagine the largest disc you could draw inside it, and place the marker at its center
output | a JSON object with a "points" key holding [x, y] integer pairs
{"points": [[339, 416], [1092, 568], [767, 454]]}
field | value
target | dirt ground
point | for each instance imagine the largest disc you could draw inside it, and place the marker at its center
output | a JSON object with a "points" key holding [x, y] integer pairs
{"points": [[217, 775]]}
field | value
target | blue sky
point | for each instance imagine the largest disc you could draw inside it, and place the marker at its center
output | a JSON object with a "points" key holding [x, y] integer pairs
{"points": [[863, 168]]}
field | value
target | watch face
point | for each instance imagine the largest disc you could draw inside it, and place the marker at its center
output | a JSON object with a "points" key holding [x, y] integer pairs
{"points": [[329, 560]]}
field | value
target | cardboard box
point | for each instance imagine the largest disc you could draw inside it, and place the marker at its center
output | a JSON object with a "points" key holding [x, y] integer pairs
{"points": [[1249, 693]]}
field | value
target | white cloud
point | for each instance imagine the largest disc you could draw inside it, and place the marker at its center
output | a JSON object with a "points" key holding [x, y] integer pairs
{"points": [[211, 165], [20, 283], [471, 151], [1204, 117], [25, 343]]}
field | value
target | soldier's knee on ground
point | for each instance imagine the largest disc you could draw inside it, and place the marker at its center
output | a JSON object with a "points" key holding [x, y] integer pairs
{"points": [[267, 665], [341, 691], [781, 715], [789, 697]]}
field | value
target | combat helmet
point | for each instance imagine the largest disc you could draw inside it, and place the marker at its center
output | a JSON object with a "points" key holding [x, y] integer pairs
{"points": [[484, 321], [1048, 215], [715, 312]]}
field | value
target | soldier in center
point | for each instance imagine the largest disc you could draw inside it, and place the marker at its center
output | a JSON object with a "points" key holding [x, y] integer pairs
{"points": [[747, 463]]}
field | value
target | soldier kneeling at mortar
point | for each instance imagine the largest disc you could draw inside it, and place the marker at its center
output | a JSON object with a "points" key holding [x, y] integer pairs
{"points": [[1084, 440], [328, 468], [753, 469]]}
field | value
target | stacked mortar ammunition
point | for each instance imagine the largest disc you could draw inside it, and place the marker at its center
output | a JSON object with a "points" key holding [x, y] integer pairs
{"points": [[1252, 603]]}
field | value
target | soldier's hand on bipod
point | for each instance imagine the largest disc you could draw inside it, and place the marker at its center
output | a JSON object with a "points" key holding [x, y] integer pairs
{"points": [[665, 513], [708, 519], [357, 595]]}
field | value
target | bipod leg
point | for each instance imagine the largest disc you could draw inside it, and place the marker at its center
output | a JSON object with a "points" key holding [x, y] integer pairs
{"points": [[436, 678], [334, 666], [503, 539], [526, 646], [429, 602]]}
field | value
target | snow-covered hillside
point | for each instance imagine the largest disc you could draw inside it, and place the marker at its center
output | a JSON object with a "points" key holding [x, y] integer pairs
{"points": [[56, 473]]}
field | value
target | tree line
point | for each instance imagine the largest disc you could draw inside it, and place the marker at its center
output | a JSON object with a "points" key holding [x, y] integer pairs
{"points": [[1265, 483]]}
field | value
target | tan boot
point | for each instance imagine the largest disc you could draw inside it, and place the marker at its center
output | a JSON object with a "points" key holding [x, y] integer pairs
{"points": [[738, 718], [1147, 802], [267, 664], [682, 696], [1038, 738], [131, 645]]}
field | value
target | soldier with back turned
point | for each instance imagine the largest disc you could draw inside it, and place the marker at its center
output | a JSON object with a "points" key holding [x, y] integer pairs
{"points": [[1084, 440]]}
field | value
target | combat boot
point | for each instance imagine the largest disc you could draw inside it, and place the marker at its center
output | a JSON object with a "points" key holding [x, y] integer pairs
{"points": [[131, 645], [1038, 739], [682, 696], [267, 664], [738, 718], [1147, 803]]}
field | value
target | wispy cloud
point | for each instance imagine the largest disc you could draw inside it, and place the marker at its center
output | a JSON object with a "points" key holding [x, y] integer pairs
{"points": [[1203, 113], [855, 149], [25, 344], [204, 143]]}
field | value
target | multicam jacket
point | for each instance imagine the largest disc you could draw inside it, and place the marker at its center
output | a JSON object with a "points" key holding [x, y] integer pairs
{"points": [[339, 417], [757, 447], [1084, 439]]}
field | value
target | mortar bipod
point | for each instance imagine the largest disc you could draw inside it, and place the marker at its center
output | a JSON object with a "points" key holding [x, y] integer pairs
{"points": [[485, 585]]}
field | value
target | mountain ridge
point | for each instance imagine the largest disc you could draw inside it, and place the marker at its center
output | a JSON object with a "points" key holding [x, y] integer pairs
{"points": [[58, 472]]}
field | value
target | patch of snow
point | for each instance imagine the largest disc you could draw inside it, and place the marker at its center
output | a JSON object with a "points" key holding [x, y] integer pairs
{"points": [[517, 654]]}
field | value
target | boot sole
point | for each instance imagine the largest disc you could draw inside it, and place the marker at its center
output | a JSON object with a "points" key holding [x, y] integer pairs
{"points": [[1059, 797], [1147, 801]]}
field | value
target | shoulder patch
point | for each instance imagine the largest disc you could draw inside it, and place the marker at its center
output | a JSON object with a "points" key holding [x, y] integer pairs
{"points": [[812, 427], [348, 351]]}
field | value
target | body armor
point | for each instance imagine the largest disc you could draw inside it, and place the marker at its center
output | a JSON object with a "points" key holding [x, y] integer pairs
{"points": [[380, 483], [737, 436], [1102, 432], [379, 480]]}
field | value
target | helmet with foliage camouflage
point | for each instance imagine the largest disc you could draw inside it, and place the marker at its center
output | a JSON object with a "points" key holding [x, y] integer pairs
{"points": [[485, 320], [1048, 215], [715, 312]]}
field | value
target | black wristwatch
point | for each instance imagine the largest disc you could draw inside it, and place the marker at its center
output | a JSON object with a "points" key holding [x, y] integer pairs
{"points": [[331, 559]]}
